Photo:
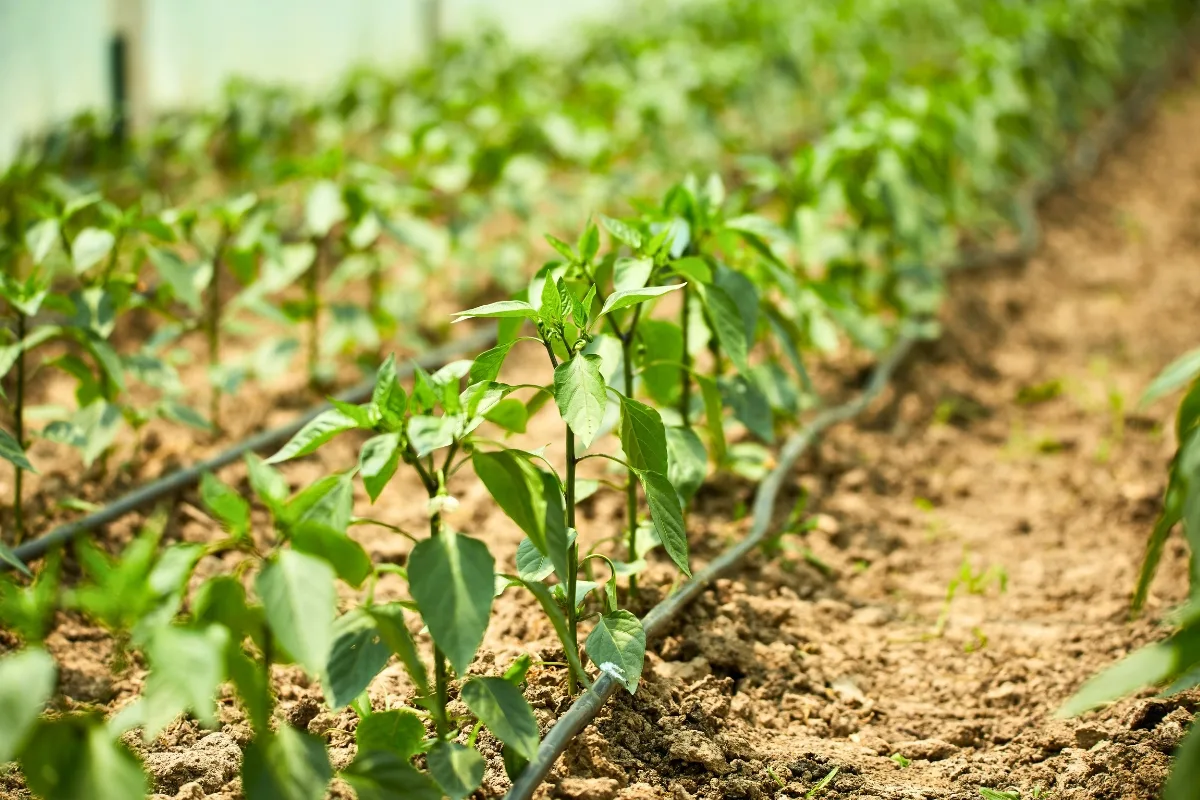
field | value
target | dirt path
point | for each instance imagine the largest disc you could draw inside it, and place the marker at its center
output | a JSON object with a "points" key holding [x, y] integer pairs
{"points": [[1012, 458]]}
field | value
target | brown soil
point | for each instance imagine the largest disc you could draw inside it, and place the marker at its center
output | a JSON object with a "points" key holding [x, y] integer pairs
{"points": [[1009, 454]]}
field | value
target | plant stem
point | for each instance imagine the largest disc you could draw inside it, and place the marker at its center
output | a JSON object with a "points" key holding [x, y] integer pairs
{"points": [[440, 676], [213, 329], [314, 306], [572, 561], [19, 430], [631, 483], [685, 377]]}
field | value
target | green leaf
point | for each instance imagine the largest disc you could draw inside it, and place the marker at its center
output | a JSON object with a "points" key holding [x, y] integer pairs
{"points": [[383, 775], [750, 406], [229, 507], [91, 246], [268, 483], [662, 342], [486, 366], [1179, 372], [532, 564], [285, 765], [13, 453], [500, 310], [40, 238], [398, 731], [687, 461], [221, 600], [329, 501], [741, 291], [589, 242], [187, 667], [560, 246], [389, 619], [7, 556], [323, 208], [299, 598], [631, 274], [502, 708], [357, 656], [519, 489], [631, 297], [554, 613], [317, 432], [1184, 782], [450, 577], [1149, 666], [713, 419], [581, 397], [693, 268], [727, 324], [75, 757], [377, 462], [622, 231], [617, 645], [178, 275], [643, 437], [366, 416], [457, 769], [667, 517], [347, 557], [27, 681], [992, 794], [509, 414], [426, 433]]}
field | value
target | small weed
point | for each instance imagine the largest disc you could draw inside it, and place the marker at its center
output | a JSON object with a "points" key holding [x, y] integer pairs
{"points": [[1039, 393], [901, 760], [974, 583], [778, 780], [996, 794], [814, 791]]}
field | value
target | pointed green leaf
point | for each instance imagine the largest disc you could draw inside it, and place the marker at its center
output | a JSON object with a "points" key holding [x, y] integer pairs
{"points": [[622, 231], [727, 324], [347, 557], [91, 246], [389, 619], [426, 433], [383, 775], [667, 517], [741, 291], [750, 406], [76, 757], [509, 414], [693, 268], [40, 238], [559, 245], [224, 503], [13, 453], [617, 645], [317, 432], [398, 731], [502, 708], [177, 274], [630, 274], [1151, 665], [268, 483], [27, 680], [714, 422], [643, 436], [450, 577], [457, 769], [486, 366], [580, 394], [662, 341], [7, 556], [631, 297], [357, 656], [1184, 781], [687, 461], [187, 667], [323, 208], [589, 242], [377, 462], [328, 501], [532, 565], [298, 595], [286, 765], [1179, 372], [519, 489], [501, 310], [554, 613]]}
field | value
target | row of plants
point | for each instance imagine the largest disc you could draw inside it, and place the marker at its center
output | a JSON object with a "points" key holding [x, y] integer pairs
{"points": [[680, 330], [236, 224]]}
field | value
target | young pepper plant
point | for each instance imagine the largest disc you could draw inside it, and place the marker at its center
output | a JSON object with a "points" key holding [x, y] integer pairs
{"points": [[451, 576]]}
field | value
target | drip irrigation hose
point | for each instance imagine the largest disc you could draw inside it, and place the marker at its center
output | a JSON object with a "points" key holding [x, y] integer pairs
{"points": [[146, 495], [1082, 162]]}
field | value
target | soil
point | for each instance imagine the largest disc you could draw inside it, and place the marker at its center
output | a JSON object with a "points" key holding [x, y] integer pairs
{"points": [[972, 548]]}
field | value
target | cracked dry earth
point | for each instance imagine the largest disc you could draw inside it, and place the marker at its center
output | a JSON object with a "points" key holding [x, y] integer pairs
{"points": [[1009, 462]]}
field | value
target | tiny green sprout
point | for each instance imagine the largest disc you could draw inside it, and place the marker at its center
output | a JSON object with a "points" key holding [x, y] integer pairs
{"points": [[901, 760], [814, 791], [778, 780], [996, 794], [1039, 393]]}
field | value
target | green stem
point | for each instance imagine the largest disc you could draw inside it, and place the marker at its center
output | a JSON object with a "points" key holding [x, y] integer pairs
{"points": [[631, 497], [314, 305], [441, 678], [685, 377], [572, 561], [19, 430], [214, 329]]}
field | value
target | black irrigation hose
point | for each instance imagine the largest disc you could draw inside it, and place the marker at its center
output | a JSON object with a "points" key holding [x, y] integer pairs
{"points": [[1082, 162], [145, 495]]}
